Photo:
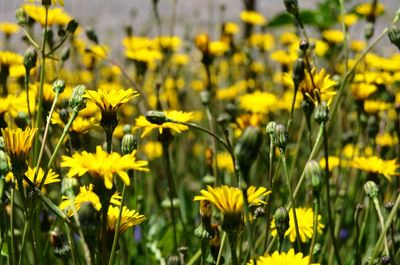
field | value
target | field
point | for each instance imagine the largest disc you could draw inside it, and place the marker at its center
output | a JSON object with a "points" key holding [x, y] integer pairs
{"points": [[250, 133]]}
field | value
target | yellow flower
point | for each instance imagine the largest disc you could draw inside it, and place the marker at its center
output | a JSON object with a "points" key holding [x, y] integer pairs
{"points": [[129, 218], [321, 47], [264, 42], [333, 36], [361, 91], [258, 102], [18, 142], [9, 28], [366, 9], [80, 124], [229, 200], [357, 45], [376, 165], [305, 220], [175, 115], [333, 161], [231, 28], [375, 106], [10, 58], [217, 48], [225, 161], [56, 16], [323, 84], [386, 139], [283, 57], [289, 258], [52, 177], [152, 149], [288, 38], [232, 92], [171, 43], [103, 165], [349, 19], [252, 17], [85, 195], [144, 55], [180, 59], [137, 43]]}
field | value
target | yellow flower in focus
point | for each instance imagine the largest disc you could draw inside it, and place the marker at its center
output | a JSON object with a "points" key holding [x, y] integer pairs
{"points": [[9, 28], [175, 115], [103, 165], [129, 218], [80, 125], [366, 9], [252, 17], [289, 258], [85, 195], [376, 165], [258, 102], [52, 177], [333, 36], [18, 142], [229, 200], [56, 16], [305, 220]]}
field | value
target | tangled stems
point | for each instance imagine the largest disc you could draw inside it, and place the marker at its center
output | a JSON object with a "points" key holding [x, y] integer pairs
{"points": [[296, 224], [328, 197]]}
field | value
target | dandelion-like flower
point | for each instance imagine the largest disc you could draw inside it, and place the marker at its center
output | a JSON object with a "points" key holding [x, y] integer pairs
{"points": [[142, 122], [252, 17], [85, 195], [376, 165], [305, 220], [18, 143], [52, 177], [56, 16], [230, 199], [103, 165], [289, 258], [129, 218], [9, 28], [258, 102]]}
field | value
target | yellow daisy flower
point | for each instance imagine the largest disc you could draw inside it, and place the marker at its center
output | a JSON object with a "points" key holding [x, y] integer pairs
{"points": [[80, 125], [289, 258], [56, 16], [85, 194], [361, 91], [258, 102], [52, 177], [103, 165], [305, 220], [10, 58], [142, 122], [8, 28], [366, 9], [252, 17], [129, 218], [229, 200], [333, 36], [376, 165]]}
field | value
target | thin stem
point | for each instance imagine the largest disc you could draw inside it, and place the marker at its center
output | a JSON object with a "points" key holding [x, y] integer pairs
{"points": [[288, 183], [270, 179], [221, 247], [233, 245], [72, 244], [13, 251], [382, 223], [249, 226], [280, 243], [213, 142], [292, 109], [328, 198], [26, 86], [388, 223], [117, 226], [345, 41], [315, 228]]}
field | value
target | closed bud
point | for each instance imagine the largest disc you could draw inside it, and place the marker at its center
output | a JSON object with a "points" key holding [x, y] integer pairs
{"points": [[30, 58], [77, 101], [4, 163], [368, 30], [174, 260], [321, 114], [246, 148], [65, 54], [46, 3], [91, 35], [304, 45], [394, 36], [72, 26], [371, 189], [313, 173], [128, 144], [58, 86], [270, 127], [281, 218], [21, 16], [281, 136], [298, 72], [386, 260], [205, 97], [292, 6], [156, 117]]}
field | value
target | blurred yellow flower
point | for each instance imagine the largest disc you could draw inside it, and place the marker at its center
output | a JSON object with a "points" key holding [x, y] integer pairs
{"points": [[103, 165], [258, 102], [375, 106], [225, 161], [333, 36], [10, 58], [56, 16], [386, 139], [152, 149], [361, 91], [305, 220], [8, 28], [252, 17], [366, 9], [374, 164]]}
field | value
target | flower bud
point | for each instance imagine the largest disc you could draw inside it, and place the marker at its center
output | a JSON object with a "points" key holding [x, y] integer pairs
{"points": [[270, 127], [128, 144], [30, 58], [205, 97], [304, 45], [204, 231], [280, 136], [91, 35], [4, 163], [369, 30], [64, 54], [292, 6], [156, 117], [313, 173], [281, 218], [298, 72], [46, 3], [21, 16], [321, 114], [246, 148], [371, 189], [394, 36], [386, 260], [58, 86], [77, 102], [174, 260], [72, 26], [60, 245]]}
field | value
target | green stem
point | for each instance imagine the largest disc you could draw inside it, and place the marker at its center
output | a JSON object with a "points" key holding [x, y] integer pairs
{"points": [[13, 251], [315, 228], [382, 223], [249, 226], [41, 84], [328, 197], [288, 183], [203, 252], [117, 226], [214, 143], [268, 211], [26, 86], [221, 247], [389, 220], [233, 244], [280, 243], [72, 244], [292, 109]]}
